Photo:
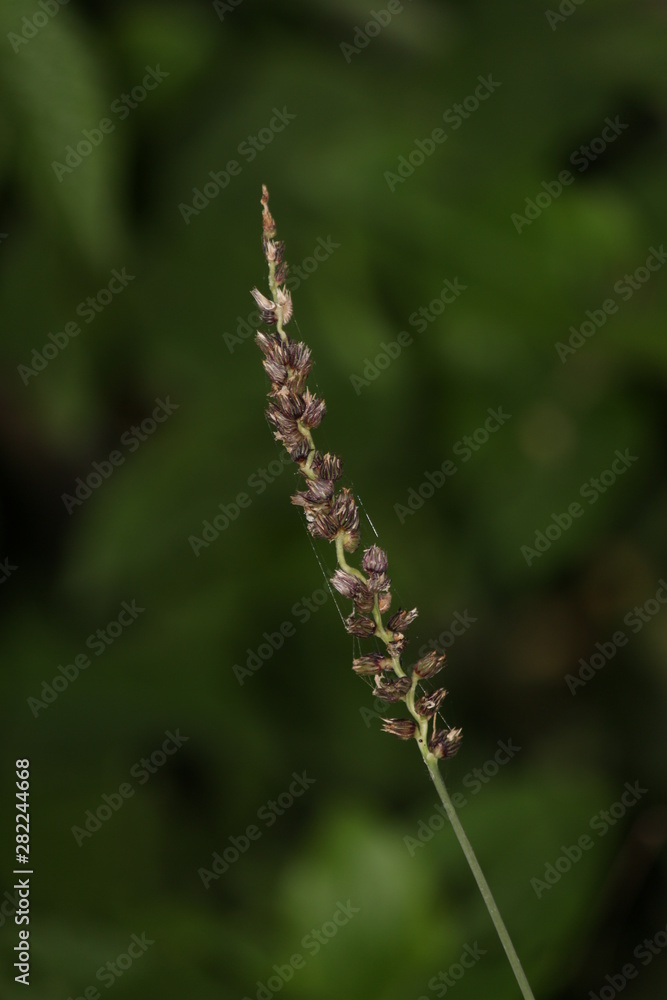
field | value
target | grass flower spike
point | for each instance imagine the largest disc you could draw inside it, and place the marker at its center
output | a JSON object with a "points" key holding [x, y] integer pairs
{"points": [[332, 514]]}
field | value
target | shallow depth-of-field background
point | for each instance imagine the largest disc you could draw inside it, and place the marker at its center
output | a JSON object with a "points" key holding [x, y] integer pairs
{"points": [[442, 274]]}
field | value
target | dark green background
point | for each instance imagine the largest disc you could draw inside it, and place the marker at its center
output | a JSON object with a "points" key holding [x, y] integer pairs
{"points": [[460, 553]]}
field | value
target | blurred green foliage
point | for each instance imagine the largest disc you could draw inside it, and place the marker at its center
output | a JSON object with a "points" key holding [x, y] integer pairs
{"points": [[178, 331]]}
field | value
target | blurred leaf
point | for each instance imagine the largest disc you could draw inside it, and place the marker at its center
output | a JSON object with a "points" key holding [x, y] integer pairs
{"points": [[54, 91]]}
